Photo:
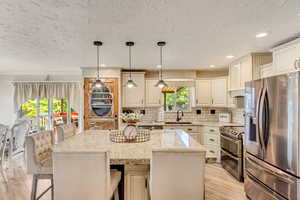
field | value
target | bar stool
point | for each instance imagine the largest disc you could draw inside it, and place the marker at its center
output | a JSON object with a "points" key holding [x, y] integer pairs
{"points": [[177, 175], [39, 161], [65, 131], [96, 181]]}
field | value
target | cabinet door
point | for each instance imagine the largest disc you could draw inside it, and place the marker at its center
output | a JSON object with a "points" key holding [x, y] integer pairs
{"points": [[246, 71], [266, 71], [203, 92], [153, 94], [284, 59], [235, 76], [136, 183], [219, 92], [198, 137], [133, 97]]}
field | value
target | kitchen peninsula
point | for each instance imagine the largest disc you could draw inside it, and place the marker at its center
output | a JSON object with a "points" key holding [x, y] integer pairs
{"points": [[134, 157]]}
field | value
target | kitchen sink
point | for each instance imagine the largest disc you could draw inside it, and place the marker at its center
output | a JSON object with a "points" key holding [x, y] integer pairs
{"points": [[178, 122]]}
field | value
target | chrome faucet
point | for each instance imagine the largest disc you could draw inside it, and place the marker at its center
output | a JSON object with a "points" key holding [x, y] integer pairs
{"points": [[179, 117]]}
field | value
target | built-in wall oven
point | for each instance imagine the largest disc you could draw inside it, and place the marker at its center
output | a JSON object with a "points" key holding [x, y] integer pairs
{"points": [[232, 150]]}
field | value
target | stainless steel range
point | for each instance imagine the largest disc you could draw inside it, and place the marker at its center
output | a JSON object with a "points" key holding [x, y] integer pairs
{"points": [[232, 150]]}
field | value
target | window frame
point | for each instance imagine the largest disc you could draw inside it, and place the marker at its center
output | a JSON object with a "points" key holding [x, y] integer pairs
{"points": [[190, 99], [38, 116]]}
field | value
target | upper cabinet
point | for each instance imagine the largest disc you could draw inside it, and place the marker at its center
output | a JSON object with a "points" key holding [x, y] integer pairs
{"points": [[245, 69], [203, 92], [219, 92], [153, 93], [133, 97], [286, 58], [211, 92]]}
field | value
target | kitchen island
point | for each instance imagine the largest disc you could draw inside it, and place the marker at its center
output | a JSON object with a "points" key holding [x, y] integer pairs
{"points": [[133, 157]]}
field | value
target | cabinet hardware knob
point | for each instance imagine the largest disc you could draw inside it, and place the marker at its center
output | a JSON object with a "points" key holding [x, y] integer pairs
{"points": [[189, 129], [212, 140], [212, 151], [211, 130]]}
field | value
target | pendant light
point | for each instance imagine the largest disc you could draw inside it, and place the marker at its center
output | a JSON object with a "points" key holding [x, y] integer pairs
{"points": [[161, 83], [98, 83], [130, 83]]}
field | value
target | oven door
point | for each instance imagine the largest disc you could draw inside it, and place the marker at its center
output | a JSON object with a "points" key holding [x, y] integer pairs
{"points": [[233, 164], [234, 146]]}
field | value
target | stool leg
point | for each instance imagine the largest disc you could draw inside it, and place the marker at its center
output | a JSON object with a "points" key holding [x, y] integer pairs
{"points": [[34, 187], [52, 189], [116, 194]]}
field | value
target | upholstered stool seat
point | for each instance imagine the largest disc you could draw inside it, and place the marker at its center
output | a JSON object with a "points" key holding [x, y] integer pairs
{"points": [[39, 160]]}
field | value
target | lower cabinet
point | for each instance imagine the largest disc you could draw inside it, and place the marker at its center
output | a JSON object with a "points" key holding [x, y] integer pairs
{"points": [[198, 137], [211, 140], [136, 182]]}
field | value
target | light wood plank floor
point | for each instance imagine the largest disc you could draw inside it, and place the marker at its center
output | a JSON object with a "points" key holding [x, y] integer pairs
{"points": [[219, 185]]}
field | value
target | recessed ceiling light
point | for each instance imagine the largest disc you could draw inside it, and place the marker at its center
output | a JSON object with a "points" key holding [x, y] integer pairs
{"points": [[230, 56], [103, 65], [261, 35], [212, 66], [158, 66]]}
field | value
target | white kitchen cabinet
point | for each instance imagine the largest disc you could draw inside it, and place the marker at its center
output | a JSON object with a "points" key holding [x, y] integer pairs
{"points": [[266, 70], [219, 92], [245, 69], [235, 76], [211, 92], [153, 94], [211, 140], [285, 57], [136, 182], [203, 92], [231, 101], [133, 97]]}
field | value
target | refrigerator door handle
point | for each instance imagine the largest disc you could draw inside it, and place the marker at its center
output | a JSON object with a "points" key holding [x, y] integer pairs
{"points": [[258, 118]]}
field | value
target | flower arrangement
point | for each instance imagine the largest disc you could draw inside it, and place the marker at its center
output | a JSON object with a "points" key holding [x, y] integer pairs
{"points": [[131, 117]]}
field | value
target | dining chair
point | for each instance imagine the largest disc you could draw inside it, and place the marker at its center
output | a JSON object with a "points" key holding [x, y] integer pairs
{"points": [[3, 145], [176, 175], [39, 161], [97, 180], [19, 131]]}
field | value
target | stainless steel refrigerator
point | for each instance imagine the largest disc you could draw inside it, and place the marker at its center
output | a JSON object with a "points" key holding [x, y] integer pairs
{"points": [[272, 138]]}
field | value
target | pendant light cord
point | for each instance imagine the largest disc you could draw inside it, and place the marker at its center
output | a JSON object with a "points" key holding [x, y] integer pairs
{"points": [[130, 62], [161, 62], [98, 68]]}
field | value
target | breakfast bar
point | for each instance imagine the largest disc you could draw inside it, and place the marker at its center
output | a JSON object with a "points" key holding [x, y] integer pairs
{"points": [[134, 157]]}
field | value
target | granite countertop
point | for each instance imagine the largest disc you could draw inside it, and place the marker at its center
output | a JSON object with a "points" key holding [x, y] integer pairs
{"points": [[218, 124], [124, 153]]}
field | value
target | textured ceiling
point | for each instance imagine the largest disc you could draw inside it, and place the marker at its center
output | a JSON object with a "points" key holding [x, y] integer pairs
{"points": [[57, 35]]}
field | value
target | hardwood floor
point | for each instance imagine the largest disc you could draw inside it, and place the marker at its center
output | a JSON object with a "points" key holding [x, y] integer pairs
{"points": [[219, 185]]}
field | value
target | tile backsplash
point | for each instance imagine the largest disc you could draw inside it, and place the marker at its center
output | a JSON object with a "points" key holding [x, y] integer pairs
{"points": [[152, 113]]}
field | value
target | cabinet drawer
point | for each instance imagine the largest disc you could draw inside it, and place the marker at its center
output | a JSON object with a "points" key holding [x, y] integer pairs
{"points": [[188, 129], [211, 129], [211, 139], [213, 150]]}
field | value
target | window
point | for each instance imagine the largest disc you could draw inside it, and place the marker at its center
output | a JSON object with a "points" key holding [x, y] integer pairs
{"points": [[46, 113], [177, 99]]}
